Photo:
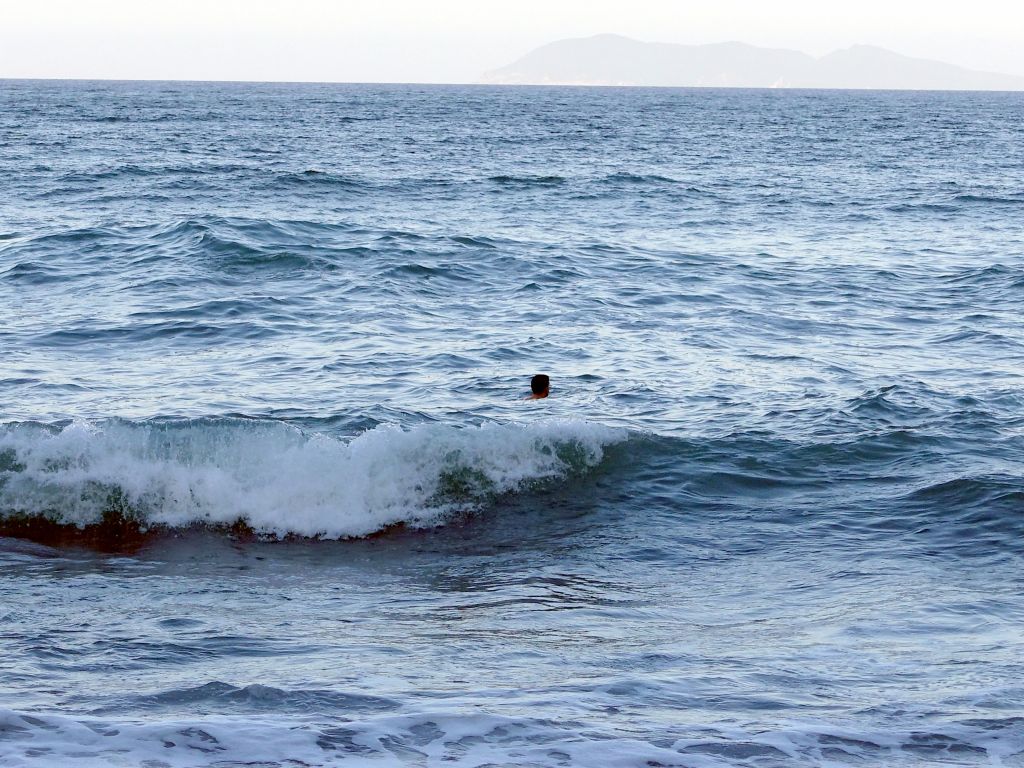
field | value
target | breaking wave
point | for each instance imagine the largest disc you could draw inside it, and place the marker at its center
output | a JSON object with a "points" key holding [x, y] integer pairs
{"points": [[277, 479]]}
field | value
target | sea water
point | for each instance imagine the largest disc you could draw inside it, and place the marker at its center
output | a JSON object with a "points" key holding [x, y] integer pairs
{"points": [[272, 494]]}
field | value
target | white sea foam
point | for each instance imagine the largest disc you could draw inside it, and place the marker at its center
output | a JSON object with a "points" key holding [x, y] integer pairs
{"points": [[435, 739], [461, 740], [279, 479]]}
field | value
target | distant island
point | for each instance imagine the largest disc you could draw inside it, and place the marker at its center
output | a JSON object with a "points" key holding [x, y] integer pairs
{"points": [[617, 60]]}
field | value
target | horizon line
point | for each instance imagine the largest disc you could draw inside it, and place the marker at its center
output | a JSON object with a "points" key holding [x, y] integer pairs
{"points": [[603, 86]]}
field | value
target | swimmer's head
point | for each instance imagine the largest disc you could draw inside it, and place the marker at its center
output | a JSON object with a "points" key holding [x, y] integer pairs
{"points": [[539, 385]]}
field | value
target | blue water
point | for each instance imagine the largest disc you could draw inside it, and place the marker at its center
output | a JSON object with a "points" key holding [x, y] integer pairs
{"points": [[271, 495]]}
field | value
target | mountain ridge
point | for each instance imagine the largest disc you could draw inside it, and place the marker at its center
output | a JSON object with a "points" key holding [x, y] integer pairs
{"points": [[616, 60]]}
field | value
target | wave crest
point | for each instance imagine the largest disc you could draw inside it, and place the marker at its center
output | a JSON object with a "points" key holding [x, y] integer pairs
{"points": [[276, 478]]}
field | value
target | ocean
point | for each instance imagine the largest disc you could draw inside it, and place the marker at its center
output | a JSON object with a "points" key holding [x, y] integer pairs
{"points": [[271, 493]]}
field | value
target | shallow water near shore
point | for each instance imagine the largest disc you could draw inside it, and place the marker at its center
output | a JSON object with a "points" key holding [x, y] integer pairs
{"points": [[270, 494]]}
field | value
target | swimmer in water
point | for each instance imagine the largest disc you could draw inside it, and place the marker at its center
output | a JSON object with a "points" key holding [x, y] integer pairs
{"points": [[539, 387]]}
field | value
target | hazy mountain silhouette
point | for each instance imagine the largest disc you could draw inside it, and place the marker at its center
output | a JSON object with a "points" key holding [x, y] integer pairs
{"points": [[617, 60]]}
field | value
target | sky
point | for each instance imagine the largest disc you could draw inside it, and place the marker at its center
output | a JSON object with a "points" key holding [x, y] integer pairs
{"points": [[458, 40]]}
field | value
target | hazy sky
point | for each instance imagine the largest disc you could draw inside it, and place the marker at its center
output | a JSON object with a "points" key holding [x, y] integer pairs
{"points": [[458, 40]]}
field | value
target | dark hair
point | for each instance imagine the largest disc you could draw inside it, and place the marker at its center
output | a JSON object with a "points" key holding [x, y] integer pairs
{"points": [[539, 383]]}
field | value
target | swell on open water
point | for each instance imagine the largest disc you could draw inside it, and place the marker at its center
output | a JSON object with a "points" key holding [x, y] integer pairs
{"points": [[270, 494]]}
